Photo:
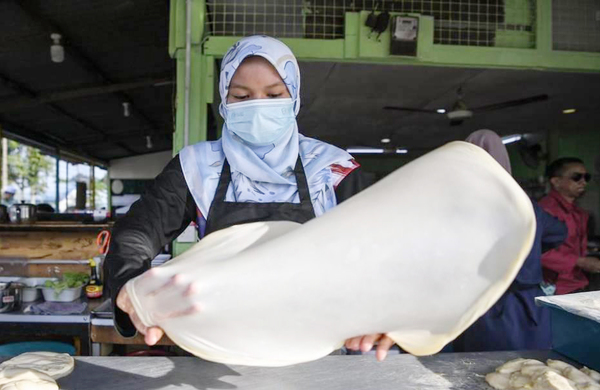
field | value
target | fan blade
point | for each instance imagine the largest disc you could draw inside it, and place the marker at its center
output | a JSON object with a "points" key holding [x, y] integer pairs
{"points": [[408, 109], [511, 103]]}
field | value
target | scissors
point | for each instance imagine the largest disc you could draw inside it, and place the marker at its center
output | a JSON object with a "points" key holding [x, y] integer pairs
{"points": [[103, 241]]}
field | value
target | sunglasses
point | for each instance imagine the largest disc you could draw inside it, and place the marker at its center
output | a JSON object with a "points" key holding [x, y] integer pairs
{"points": [[578, 176]]}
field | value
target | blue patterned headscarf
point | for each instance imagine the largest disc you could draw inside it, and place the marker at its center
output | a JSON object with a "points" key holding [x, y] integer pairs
{"points": [[264, 173], [271, 49], [272, 163]]}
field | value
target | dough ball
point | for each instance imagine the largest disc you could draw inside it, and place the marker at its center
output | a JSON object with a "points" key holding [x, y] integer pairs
{"points": [[25, 379], [551, 381], [532, 362], [498, 381], [577, 376], [56, 365], [518, 380], [511, 366], [588, 386], [534, 370], [559, 365], [591, 373]]}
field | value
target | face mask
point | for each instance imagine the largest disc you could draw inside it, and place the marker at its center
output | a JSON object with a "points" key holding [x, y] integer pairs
{"points": [[260, 121]]}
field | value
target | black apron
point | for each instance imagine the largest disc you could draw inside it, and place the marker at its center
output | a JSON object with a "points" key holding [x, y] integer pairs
{"points": [[224, 214]]}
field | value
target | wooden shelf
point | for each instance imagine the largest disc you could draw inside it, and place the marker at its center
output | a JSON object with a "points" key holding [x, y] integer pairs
{"points": [[54, 226], [109, 335]]}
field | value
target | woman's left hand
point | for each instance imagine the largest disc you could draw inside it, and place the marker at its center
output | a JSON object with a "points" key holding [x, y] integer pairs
{"points": [[366, 343]]}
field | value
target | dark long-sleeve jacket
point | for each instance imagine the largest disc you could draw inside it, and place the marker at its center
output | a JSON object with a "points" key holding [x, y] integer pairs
{"points": [[157, 218]]}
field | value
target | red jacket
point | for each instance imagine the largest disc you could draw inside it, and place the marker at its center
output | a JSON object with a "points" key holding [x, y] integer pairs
{"points": [[560, 264]]}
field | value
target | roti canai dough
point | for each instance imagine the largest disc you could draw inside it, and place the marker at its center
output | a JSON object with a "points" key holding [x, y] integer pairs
{"points": [[55, 365], [25, 379], [529, 374], [591, 373], [420, 256]]}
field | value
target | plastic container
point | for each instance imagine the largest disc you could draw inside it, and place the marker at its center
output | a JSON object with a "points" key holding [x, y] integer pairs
{"points": [[30, 294], [67, 295], [32, 291]]}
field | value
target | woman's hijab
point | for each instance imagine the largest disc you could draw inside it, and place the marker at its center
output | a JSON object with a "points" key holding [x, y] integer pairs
{"points": [[272, 163], [491, 143], [265, 173]]}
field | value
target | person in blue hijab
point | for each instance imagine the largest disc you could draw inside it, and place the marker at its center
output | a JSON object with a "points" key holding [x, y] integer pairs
{"points": [[515, 322], [261, 169]]}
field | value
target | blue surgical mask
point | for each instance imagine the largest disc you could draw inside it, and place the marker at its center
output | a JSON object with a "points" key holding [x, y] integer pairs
{"points": [[260, 121]]}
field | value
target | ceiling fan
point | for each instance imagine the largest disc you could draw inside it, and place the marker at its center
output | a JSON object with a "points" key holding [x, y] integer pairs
{"points": [[460, 111]]}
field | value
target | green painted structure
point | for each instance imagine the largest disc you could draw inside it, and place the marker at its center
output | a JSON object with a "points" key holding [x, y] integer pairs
{"points": [[520, 50]]}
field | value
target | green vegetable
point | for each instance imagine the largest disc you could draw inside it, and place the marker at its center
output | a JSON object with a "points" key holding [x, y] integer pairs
{"points": [[69, 280]]}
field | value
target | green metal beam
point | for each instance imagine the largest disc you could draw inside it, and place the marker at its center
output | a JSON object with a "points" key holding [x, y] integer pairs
{"points": [[201, 80], [316, 49], [359, 48], [543, 26]]}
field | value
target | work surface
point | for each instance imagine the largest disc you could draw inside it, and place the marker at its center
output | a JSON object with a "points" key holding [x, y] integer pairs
{"points": [[406, 372]]}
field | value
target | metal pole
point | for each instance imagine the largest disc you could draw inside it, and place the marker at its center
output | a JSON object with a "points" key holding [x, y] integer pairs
{"points": [[93, 187], [57, 185], [4, 163], [67, 188], [188, 67]]}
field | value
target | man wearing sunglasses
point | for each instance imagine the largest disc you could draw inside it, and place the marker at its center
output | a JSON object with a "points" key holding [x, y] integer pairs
{"points": [[566, 265]]}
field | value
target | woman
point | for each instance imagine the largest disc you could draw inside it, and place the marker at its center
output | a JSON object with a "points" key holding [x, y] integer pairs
{"points": [[515, 322], [261, 169]]}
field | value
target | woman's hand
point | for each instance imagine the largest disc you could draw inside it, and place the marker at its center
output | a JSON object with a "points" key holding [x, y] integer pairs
{"points": [[151, 335], [175, 288], [365, 344]]}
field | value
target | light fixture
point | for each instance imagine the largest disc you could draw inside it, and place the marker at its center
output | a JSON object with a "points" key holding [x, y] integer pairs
{"points": [[385, 140], [401, 151], [441, 111], [364, 150], [509, 139], [569, 111], [126, 109], [57, 51], [149, 142]]}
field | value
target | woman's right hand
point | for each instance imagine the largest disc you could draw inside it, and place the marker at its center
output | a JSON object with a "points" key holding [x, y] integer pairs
{"points": [[153, 285], [152, 334]]}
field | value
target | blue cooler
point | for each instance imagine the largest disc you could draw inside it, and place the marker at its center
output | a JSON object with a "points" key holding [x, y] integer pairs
{"points": [[14, 349], [576, 326]]}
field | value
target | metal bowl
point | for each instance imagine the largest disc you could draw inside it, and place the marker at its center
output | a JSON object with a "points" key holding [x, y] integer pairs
{"points": [[22, 213]]}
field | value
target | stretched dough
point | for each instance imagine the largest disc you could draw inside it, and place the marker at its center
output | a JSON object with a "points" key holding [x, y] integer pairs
{"points": [[420, 256]]}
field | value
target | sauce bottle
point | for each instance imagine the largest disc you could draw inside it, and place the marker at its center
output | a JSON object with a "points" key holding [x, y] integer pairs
{"points": [[94, 287]]}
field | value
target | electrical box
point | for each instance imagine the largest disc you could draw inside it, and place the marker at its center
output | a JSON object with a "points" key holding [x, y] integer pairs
{"points": [[404, 36]]}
